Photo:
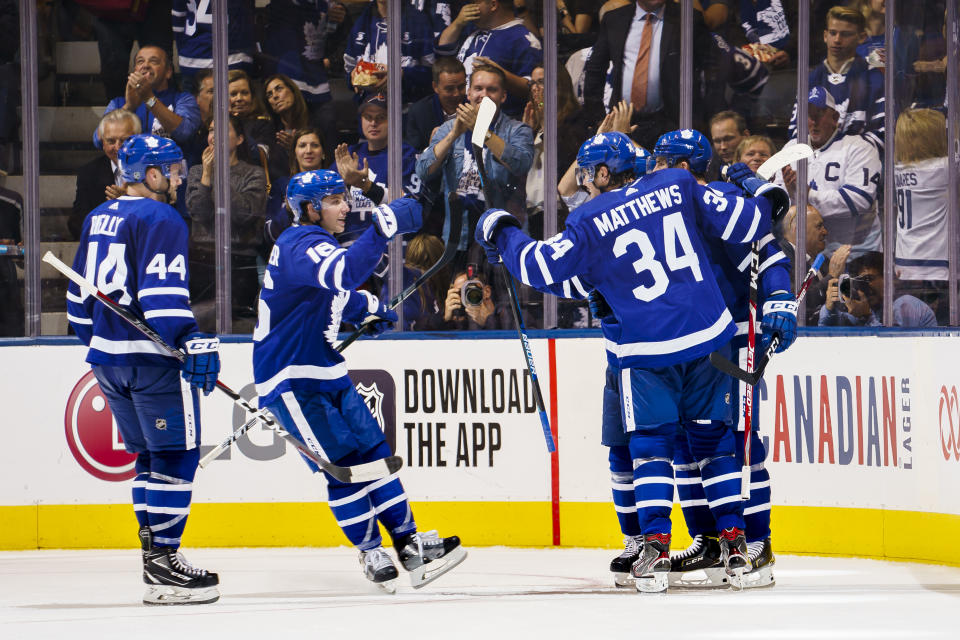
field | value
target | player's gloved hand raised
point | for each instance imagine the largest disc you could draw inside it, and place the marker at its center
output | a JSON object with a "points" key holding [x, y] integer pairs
{"points": [[598, 305], [380, 317], [403, 215], [488, 226], [779, 319], [202, 365], [741, 175]]}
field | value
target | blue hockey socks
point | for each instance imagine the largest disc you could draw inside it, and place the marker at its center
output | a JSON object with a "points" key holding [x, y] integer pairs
{"points": [[169, 489], [712, 446], [652, 453], [621, 483], [693, 501], [756, 510]]}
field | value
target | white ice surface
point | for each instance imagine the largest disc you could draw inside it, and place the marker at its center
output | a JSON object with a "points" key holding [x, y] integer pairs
{"points": [[496, 593]]}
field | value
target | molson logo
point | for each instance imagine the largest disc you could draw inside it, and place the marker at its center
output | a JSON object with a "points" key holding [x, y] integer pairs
{"points": [[949, 411], [92, 433]]}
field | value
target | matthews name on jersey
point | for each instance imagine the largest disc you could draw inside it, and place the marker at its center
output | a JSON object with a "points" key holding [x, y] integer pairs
{"points": [[641, 247], [152, 281], [309, 281]]}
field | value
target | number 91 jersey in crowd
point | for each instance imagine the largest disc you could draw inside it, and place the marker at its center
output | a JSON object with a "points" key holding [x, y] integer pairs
{"points": [[135, 251], [642, 247]]}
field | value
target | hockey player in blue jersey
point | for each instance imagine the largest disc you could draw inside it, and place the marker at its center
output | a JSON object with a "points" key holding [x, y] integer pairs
{"points": [[670, 315], [308, 288], [690, 150], [134, 249]]}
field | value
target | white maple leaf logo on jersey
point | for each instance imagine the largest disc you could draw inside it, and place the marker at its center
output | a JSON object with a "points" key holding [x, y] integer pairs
{"points": [[532, 39]]}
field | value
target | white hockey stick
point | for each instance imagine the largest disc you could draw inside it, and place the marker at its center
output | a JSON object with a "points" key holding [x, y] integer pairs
{"points": [[782, 158], [360, 473]]}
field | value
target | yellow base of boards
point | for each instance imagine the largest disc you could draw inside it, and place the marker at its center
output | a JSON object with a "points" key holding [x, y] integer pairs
{"points": [[872, 533]]}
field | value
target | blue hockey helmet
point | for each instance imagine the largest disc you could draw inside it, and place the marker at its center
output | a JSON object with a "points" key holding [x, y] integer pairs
{"points": [[142, 151], [685, 144], [614, 149], [312, 187], [642, 162]]}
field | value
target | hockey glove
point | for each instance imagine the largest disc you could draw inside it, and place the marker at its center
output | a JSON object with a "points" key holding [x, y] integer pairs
{"points": [[780, 319], [742, 176], [380, 317], [598, 305], [202, 365], [488, 226], [403, 215]]}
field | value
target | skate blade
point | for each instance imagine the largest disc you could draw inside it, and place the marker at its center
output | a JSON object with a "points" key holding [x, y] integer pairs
{"points": [[167, 595], [654, 583], [430, 571], [759, 578], [713, 578], [736, 578], [388, 586], [624, 580]]}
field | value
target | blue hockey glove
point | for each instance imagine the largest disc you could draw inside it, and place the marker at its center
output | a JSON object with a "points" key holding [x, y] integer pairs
{"points": [[598, 305], [202, 365], [488, 226], [780, 319], [742, 176], [380, 317], [403, 215], [738, 172]]}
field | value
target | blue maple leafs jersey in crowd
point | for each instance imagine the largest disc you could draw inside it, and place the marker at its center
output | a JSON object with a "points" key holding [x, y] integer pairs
{"points": [[361, 207], [642, 247], [307, 291], [193, 29], [135, 251], [296, 43]]}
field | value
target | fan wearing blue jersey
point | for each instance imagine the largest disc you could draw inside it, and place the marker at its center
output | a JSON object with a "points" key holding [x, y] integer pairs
{"points": [[134, 249], [308, 289], [731, 263], [670, 315], [193, 30]]}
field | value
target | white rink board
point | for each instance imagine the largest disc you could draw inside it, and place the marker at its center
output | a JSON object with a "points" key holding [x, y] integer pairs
{"points": [[38, 466]]}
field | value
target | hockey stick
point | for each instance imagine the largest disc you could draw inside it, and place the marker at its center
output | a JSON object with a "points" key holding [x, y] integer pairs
{"points": [[449, 251], [488, 109], [752, 378], [360, 473], [783, 158]]}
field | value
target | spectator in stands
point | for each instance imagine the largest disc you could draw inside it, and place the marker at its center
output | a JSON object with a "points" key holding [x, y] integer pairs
{"points": [[248, 199], [488, 33], [576, 21], [816, 241], [300, 41], [508, 156], [426, 114], [203, 93], [193, 30], [469, 304], [258, 132], [857, 90], [754, 151], [766, 25], [422, 311], [859, 300], [844, 174], [905, 45], [922, 175], [368, 45], [363, 167], [97, 180], [163, 110], [289, 111], [727, 131], [11, 215], [642, 41], [307, 155]]}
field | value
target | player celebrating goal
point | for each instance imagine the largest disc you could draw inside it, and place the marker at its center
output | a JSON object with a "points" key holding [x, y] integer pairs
{"points": [[671, 315], [307, 291], [135, 249]]}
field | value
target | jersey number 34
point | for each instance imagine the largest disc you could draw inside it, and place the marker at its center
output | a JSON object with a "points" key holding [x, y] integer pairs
{"points": [[674, 236]]}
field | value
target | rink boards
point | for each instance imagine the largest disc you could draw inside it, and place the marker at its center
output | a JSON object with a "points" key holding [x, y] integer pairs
{"points": [[863, 434]]}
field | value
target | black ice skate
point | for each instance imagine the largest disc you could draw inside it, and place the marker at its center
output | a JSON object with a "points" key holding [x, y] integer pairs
{"points": [[762, 560], [620, 566], [733, 550], [379, 569], [653, 566], [173, 580], [427, 556], [699, 565]]}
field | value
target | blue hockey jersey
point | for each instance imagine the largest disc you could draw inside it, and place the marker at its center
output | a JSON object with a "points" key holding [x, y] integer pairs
{"points": [[361, 207], [307, 291], [642, 247], [135, 251], [193, 29]]}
